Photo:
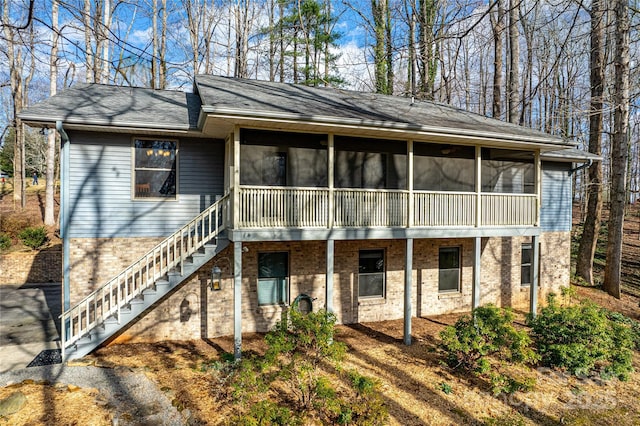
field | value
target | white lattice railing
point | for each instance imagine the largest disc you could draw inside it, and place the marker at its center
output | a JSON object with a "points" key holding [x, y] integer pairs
{"points": [[509, 209], [370, 207], [444, 208], [168, 255]]}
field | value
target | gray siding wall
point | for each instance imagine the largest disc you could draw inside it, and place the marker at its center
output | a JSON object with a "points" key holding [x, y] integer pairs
{"points": [[102, 203], [555, 209]]}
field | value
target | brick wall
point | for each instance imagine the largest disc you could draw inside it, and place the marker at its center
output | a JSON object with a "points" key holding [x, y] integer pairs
{"points": [[31, 267], [94, 261], [193, 311]]}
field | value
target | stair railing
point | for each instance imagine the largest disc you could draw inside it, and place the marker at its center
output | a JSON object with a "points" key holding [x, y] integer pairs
{"points": [[169, 255]]}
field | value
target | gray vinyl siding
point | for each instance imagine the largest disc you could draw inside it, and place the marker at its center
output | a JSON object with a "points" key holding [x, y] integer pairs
{"points": [[102, 203], [555, 209]]}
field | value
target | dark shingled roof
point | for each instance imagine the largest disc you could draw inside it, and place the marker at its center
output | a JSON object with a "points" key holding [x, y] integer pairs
{"points": [[247, 97], [570, 155], [105, 105]]}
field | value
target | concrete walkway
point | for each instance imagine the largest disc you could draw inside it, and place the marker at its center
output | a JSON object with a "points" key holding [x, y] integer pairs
{"points": [[29, 326]]}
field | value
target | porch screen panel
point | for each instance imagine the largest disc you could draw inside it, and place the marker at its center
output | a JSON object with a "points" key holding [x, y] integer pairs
{"points": [[283, 159], [370, 163], [439, 167], [508, 171]]}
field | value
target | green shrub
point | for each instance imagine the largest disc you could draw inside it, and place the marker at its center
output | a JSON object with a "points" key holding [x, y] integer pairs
{"points": [[502, 383], [298, 344], [299, 348], [265, 413], [34, 237], [5, 242], [445, 387], [488, 331], [367, 408], [634, 326], [582, 339]]}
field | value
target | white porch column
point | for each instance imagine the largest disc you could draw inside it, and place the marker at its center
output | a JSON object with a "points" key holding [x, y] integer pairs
{"points": [[477, 252], [330, 182], [329, 278], [538, 166], [237, 299], [410, 201], [235, 178], [535, 263], [478, 186], [408, 283]]}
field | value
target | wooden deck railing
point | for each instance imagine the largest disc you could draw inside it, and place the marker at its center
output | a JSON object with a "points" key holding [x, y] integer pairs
{"points": [[291, 207], [288, 207], [370, 207], [508, 209], [444, 208]]}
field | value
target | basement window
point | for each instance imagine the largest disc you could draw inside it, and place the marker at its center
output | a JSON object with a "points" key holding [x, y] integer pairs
{"points": [[371, 276], [155, 168], [525, 265], [449, 269], [273, 278]]}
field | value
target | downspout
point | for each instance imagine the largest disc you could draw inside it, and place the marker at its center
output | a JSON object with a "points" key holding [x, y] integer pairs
{"points": [[64, 217], [582, 166]]}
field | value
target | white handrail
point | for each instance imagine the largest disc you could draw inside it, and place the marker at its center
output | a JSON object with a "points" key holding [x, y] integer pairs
{"points": [[170, 253]]}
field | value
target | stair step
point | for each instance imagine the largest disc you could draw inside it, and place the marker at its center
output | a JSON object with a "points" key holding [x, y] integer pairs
{"points": [[149, 292]]}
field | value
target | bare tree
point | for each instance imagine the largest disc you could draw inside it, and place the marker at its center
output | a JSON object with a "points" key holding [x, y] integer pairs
{"points": [[498, 26], [49, 218], [591, 228], [15, 56], [619, 151], [514, 62]]}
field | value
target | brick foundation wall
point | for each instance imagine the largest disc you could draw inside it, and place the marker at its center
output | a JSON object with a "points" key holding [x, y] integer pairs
{"points": [[43, 266], [94, 261], [194, 311]]}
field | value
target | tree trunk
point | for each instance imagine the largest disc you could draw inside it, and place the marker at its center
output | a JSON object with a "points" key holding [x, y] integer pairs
{"points": [[49, 217], [379, 12], [619, 151], [162, 72], [591, 228], [514, 61], [498, 30], [88, 48]]}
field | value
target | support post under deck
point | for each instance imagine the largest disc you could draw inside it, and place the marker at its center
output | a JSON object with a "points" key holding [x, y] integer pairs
{"points": [[408, 284], [237, 299]]}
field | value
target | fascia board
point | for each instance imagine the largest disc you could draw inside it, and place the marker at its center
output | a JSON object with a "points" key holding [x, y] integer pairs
{"points": [[232, 114]]}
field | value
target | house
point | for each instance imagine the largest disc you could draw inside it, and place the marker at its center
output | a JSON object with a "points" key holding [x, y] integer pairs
{"points": [[188, 215]]}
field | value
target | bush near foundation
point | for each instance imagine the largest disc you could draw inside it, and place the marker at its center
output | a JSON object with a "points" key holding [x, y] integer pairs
{"points": [[583, 340], [489, 330], [300, 379]]}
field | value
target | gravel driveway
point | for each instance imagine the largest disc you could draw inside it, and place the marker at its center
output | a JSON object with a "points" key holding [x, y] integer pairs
{"points": [[134, 397]]}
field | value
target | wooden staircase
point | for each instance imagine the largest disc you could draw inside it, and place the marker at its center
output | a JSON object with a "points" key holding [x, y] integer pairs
{"points": [[157, 273]]}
